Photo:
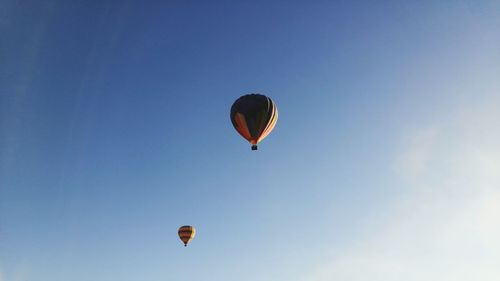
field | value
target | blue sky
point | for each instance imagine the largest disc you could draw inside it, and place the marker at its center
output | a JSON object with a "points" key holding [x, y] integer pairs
{"points": [[115, 130]]}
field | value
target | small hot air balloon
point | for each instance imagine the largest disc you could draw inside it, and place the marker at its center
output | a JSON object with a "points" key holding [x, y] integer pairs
{"points": [[254, 117], [186, 233]]}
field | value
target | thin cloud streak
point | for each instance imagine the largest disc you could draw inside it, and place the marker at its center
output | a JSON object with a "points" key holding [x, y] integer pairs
{"points": [[446, 224]]}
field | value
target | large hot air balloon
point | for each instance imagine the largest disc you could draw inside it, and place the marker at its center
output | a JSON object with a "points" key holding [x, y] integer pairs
{"points": [[186, 233], [254, 117]]}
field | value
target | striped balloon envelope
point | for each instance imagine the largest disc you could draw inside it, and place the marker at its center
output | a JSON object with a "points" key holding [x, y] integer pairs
{"points": [[186, 234], [254, 117]]}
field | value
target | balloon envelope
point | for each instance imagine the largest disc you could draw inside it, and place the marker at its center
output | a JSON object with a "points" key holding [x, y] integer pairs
{"points": [[254, 117], [186, 233]]}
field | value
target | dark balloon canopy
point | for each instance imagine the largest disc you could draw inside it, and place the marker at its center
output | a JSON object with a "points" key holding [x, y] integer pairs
{"points": [[254, 117]]}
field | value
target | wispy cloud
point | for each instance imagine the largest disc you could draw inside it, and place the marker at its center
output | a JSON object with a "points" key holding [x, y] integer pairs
{"points": [[446, 224]]}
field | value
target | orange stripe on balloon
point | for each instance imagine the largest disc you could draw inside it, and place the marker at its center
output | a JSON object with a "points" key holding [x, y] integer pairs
{"points": [[242, 126]]}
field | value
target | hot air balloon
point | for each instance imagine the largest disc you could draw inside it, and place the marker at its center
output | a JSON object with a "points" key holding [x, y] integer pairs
{"points": [[186, 233], [254, 117]]}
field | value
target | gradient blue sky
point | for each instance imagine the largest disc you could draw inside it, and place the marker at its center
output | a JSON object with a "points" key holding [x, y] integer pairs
{"points": [[115, 130]]}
